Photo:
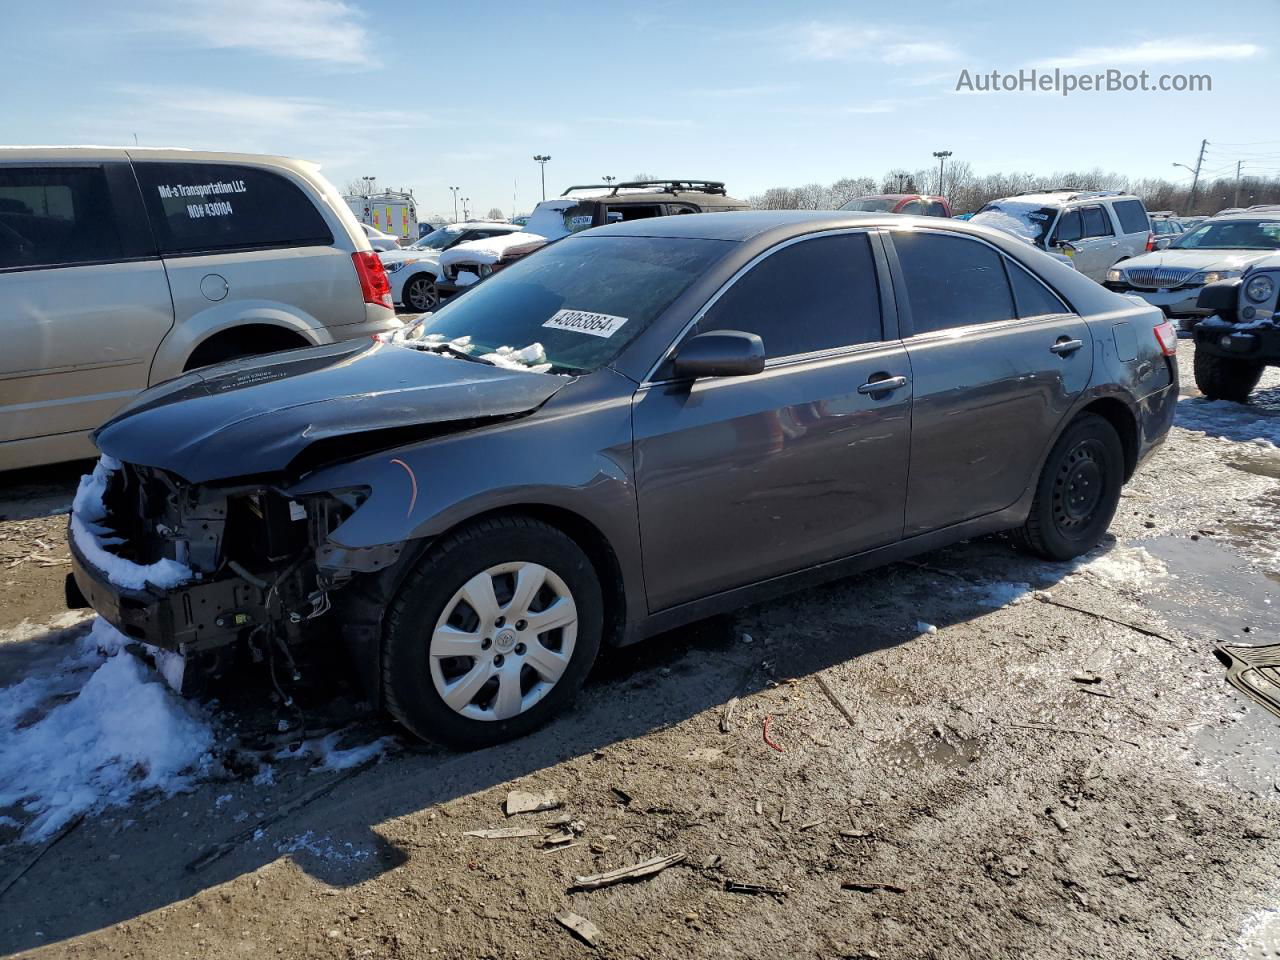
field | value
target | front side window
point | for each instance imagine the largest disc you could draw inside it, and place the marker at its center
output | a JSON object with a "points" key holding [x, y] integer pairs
{"points": [[204, 207], [1096, 222], [1070, 227], [952, 281], [439, 239], [55, 216], [582, 299], [818, 294]]}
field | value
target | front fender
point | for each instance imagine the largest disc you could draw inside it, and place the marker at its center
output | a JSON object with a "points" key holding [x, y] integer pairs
{"points": [[184, 336]]}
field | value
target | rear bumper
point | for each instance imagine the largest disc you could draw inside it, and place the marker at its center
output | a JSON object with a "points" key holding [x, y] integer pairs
{"points": [[186, 619]]}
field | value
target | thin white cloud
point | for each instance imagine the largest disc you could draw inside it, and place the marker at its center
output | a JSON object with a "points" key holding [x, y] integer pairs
{"points": [[327, 31], [1150, 52], [819, 41]]}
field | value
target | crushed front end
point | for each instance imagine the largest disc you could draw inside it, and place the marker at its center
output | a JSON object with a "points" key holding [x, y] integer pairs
{"points": [[203, 570]]}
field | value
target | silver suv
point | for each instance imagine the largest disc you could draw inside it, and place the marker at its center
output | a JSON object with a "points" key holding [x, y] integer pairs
{"points": [[120, 268], [1096, 229]]}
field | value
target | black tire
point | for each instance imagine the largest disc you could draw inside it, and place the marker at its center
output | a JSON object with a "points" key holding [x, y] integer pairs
{"points": [[410, 693], [1077, 493], [1223, 378], [420, 293]]}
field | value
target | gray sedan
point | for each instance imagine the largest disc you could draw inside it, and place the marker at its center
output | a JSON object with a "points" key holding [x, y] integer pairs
{"points": [[637, 427]]}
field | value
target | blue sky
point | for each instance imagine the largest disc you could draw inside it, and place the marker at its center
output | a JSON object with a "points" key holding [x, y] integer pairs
{"points": [[432, 94]]}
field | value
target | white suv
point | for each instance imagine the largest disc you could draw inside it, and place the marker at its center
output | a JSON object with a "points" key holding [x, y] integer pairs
{"points": [[1096, 229], [120, 268]]}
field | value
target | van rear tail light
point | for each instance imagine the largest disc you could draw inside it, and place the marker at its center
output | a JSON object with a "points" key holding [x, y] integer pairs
{"points": [[1167, 337], [374, 285], [1151, 242]]}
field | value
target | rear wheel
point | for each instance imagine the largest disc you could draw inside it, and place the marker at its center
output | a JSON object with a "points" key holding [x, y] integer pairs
{"points": [[420, 293], [1223, 378], [492, 634], [1078, 491]]}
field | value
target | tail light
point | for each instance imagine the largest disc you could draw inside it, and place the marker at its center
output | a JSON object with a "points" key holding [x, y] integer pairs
{"points": [[1167, 337], [374, 285], [1151, 242]]}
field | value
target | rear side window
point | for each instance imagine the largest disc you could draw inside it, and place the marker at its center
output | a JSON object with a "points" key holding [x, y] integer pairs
{"points": [[814, 295], [1033, 298], [55, 216], [1132, 215], [203, 207], [952, 281], [1096, 222]]}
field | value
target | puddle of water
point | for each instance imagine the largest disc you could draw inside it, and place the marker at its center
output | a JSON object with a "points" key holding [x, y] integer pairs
{"points": [[947, 750]]}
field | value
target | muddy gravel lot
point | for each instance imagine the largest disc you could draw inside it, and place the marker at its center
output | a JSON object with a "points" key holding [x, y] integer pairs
{"points": [[973, 754]]}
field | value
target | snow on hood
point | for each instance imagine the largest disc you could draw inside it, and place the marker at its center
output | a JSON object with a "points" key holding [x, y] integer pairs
{"points": [[106, 730], [490, 249], [403, 254]]}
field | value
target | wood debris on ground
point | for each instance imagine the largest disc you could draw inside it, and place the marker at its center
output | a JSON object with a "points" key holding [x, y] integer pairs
{"points": [[639, 871]]}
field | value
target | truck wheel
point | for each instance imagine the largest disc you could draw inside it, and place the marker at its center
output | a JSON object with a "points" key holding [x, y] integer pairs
{"points": [[420, 293], [1077, 493], [492, 634], [1223, 378]]}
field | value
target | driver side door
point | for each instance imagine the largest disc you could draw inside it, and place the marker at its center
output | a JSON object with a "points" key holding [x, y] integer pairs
{"points": [[740, 479]]}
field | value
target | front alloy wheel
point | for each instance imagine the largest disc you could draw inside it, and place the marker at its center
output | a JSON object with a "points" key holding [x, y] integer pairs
{"points": [[492, 632], [420, 293], [503, 641]]}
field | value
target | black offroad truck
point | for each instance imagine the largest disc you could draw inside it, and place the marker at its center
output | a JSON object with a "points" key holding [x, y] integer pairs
{"points": [[1242, 337]]}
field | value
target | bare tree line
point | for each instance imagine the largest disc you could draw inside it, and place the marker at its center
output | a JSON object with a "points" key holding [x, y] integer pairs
{"points": [[968, 191]]}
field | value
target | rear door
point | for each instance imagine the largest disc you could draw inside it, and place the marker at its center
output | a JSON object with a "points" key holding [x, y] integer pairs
{"points": [[743, 478], [997, 359], [84, 296], [1097, 247], [242, 243]]}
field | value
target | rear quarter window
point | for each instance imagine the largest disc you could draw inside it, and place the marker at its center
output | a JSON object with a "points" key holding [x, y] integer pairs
{"points": [[205, 207], [1132, 215]]}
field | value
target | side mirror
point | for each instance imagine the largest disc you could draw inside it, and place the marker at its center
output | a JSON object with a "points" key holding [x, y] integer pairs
{"points": [[720, 353], [1220, 297]]}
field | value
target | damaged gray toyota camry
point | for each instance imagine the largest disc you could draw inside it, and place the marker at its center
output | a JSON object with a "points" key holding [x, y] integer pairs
{"points": [[637, 427]]}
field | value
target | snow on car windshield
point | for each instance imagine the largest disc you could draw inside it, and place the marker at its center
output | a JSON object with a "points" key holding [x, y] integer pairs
{"points": [[578, 302], [1031, 221], [1231, 235]]}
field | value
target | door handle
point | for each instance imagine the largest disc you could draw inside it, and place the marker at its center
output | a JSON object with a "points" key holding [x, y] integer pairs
{"points": [[1064, 347], [884, 385]]}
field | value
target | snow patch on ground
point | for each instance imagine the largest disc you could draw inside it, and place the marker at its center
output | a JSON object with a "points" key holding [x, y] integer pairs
{"points": [[1001, 594], [96, 732], [1124, 566], [26, 630], [329, 756], [1232, 421]]}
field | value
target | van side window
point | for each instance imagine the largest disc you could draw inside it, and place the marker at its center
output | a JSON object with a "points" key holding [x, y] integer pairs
{"points": [[203, 207], [1096, 222], [1131, 214], [55, 216]]}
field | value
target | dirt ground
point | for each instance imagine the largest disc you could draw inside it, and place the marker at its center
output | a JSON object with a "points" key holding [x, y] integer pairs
{"points": [[1067, 775]]}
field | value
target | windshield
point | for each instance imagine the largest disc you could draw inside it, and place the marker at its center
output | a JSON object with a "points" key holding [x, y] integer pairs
{"points": [[1031, 221], [582, 299], [438, 239], [871, 204], [1231, 235]]}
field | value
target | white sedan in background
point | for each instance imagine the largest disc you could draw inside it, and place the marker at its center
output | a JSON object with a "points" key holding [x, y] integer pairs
{"points": [[380, 241], [414, 270]]}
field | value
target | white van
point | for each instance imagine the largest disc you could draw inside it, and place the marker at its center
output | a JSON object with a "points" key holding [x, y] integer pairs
{"points": [[120, 268], [392, 211]]}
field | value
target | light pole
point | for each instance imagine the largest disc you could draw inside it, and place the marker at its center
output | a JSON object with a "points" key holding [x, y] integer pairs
{"points": [[368, 185], [942, 159], [608, 179], [466, 214], [455, 203], [542, 159]]}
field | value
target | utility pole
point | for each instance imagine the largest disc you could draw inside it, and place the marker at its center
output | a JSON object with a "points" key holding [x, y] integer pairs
{"points": [[1236, 201], [942, 158], [455, 203], [542, 159], [1195, 180]]}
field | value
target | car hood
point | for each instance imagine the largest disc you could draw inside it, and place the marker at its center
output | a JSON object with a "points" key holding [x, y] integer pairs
{"points": [[490, 249], [1196, 259], [257, 416], [389, 257]]}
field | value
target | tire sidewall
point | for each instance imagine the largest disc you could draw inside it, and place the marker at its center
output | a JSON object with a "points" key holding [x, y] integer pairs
{"points": [[1085, 428], [1224, 378], [422, 599]]}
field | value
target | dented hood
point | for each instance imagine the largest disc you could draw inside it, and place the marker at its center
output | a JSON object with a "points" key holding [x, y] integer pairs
{"points": [[255, 416]]}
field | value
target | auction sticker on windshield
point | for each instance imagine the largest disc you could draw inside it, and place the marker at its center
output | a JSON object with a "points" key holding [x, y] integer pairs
{"points": [[596, 324]]}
